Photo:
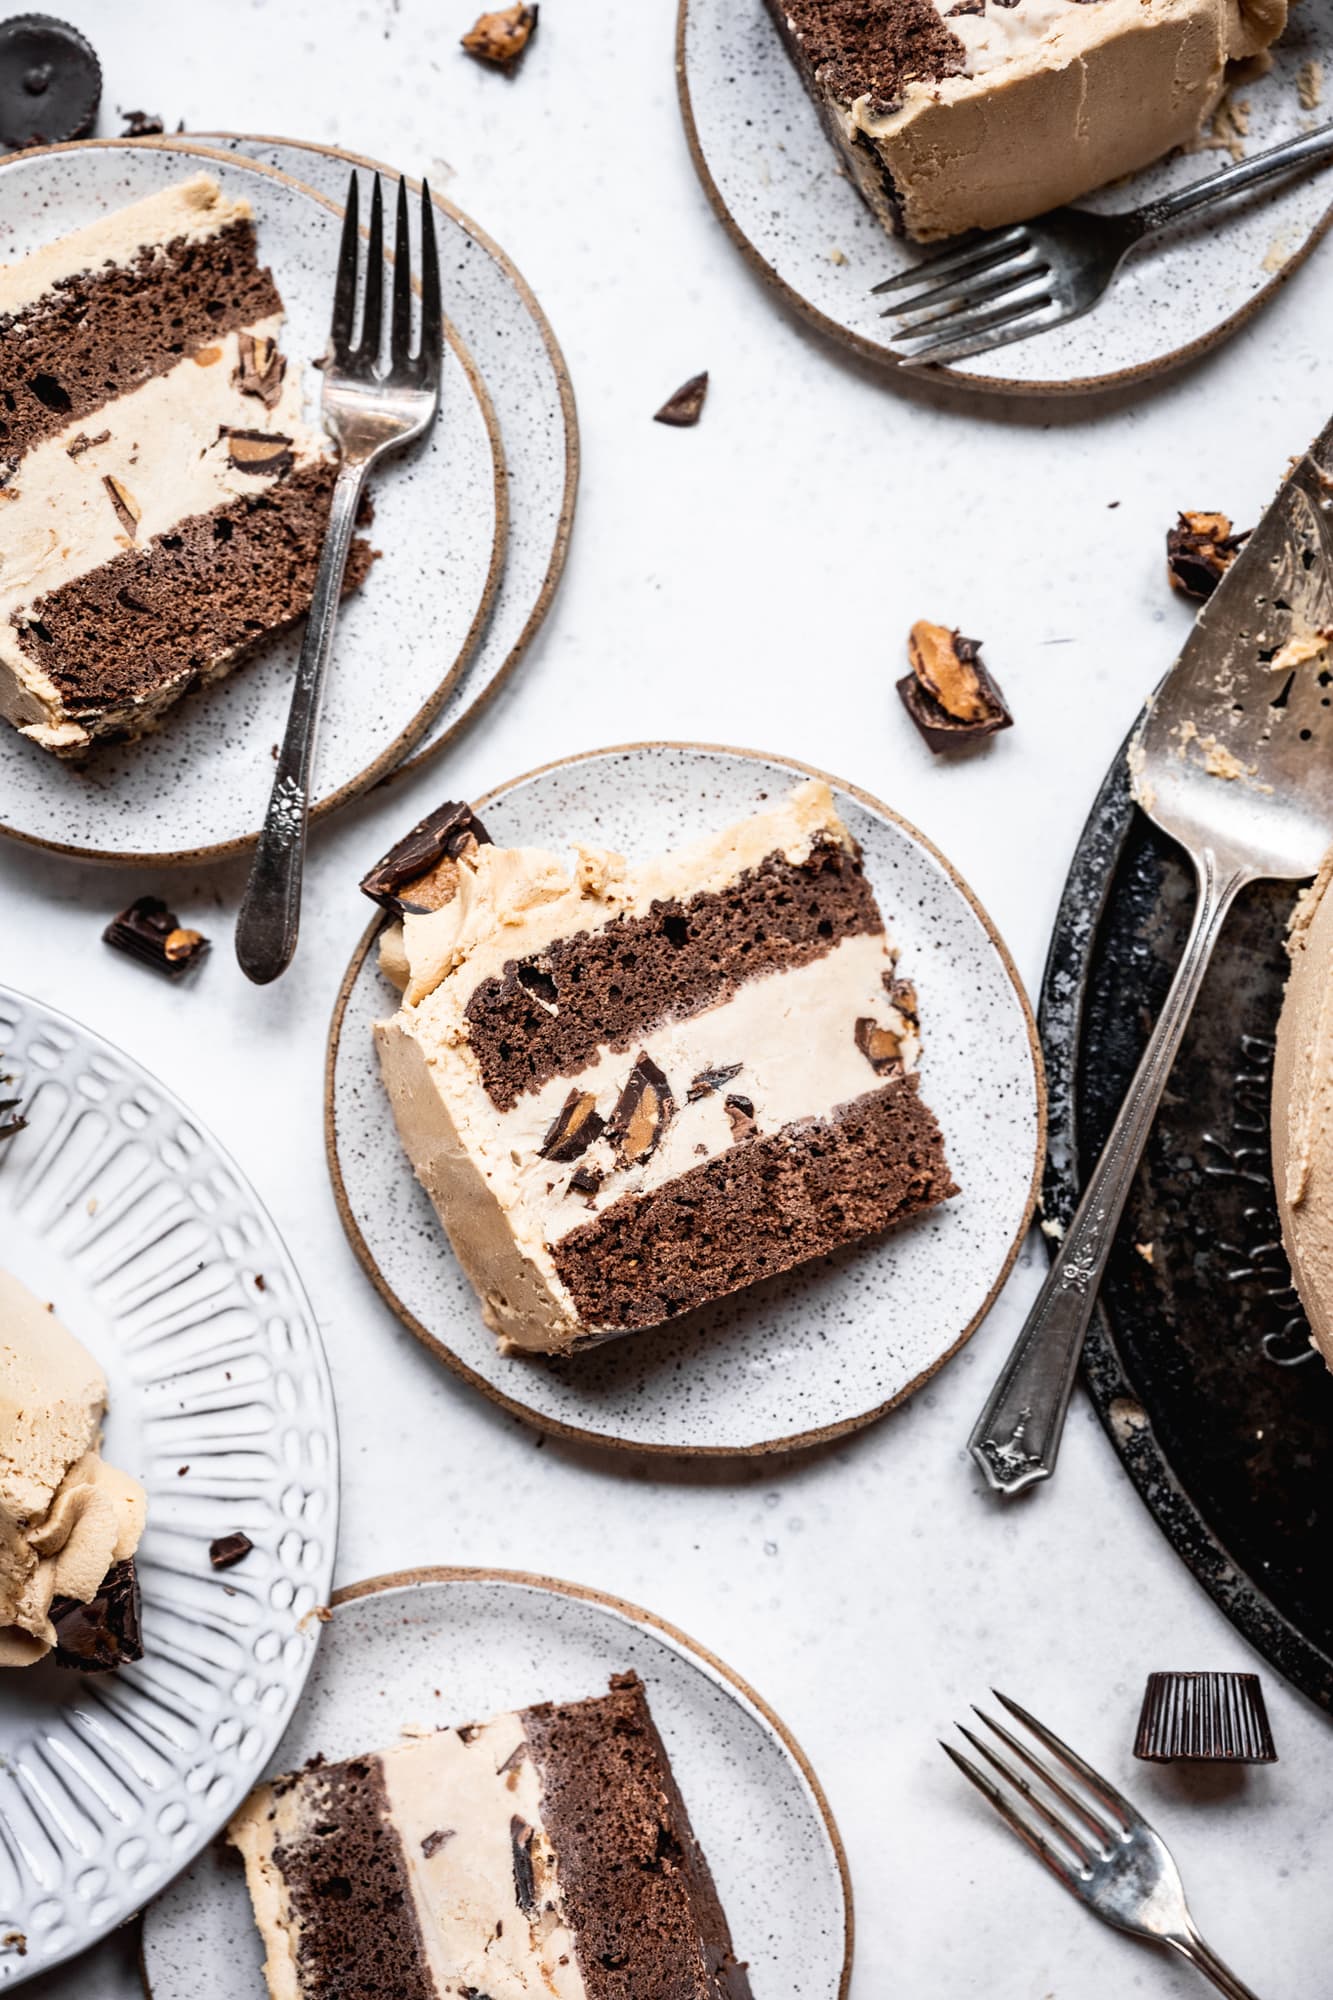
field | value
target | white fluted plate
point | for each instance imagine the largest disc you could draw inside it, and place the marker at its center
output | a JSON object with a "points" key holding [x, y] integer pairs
{"points": [[118, 1207], [450, 1646]]}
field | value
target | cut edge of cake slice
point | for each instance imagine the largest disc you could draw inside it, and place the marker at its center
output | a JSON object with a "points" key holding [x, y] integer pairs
{"points": [[547, 1850], [630, 1092]]}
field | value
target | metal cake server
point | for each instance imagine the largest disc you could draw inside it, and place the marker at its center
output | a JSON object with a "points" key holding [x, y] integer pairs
{"points": [[1233, 759], [368, 411]]}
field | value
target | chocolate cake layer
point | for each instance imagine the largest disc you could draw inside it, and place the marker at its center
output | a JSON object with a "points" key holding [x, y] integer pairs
{"points": [[163, 615], [98, 335], [872, 48], [350, 1893], [549, 1014], [758, 1209], [635, 1884]]}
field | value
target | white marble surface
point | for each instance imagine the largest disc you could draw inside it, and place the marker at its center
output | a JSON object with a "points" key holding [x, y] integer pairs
{"points": [[752, 582]]}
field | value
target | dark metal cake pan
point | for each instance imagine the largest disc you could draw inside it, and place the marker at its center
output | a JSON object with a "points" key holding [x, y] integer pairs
{"points": [[1198, 1358]]}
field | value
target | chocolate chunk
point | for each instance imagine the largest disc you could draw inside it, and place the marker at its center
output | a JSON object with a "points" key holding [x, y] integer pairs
{"points": [[268, 453], [740, 1116], [128, 510], [150, 932], [1214, 1718], [880, 1046], [50, 82], [949, 694], [525, 1881], [141, 125], [431, 1843], [501, 37], [410, 876], [903, 995], [260, 368], [104, 1633], [78, 445], [575, 1125], [709, 1080], [683, 410], [965, 7], [1200, 549], [228, 1550], [643, 1111], [587, 1180]]}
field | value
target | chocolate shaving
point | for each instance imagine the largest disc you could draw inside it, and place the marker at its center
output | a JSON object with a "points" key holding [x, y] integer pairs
{"points": [[1200, 549], [228, 1550], [949, 694], [409, 878], [587, 1181], [431, 1843], [266, 453], [78, 445], [683, 410], [709, 1080], [576, 1124], [141, 125], [642, 1114], [525, 1881], [500, 38], [150, 932], [128, 510], [104, 1633], [880, 1046], [260, 368], [740, 1116]]}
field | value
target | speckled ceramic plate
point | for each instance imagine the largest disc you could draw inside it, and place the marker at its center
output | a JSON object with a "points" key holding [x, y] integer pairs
{"points": [[773, 177], [118, 1207], [199, 786], [797, 1359], [513, 345], [439, 1646]]}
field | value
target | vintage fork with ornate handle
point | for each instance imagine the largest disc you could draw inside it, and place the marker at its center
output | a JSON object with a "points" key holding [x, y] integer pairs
{"points": [[1234, 759], [367, 412], [1104, 1851]]}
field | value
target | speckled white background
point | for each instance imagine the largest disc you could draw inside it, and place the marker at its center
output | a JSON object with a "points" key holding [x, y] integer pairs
{"points": [[752, 581]]}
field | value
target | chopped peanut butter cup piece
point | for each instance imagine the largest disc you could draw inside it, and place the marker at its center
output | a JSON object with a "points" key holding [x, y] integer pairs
{"points": [[740, 1116], [267, 453], [587, 1181], [227, 1550], [419, 873], [575, 1125], [709, 1080], [150, 932], [642, 1114], [128, 511], [260, 368], [949, 694], [683, 410], [1200, 549], [104, 1633], [881, 1048], [501, 37]]}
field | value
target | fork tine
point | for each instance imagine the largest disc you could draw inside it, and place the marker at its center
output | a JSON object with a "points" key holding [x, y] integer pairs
{"points": [[946, 263], [966, 293], [1021, 328], [1032, 1836], [985, 320], [432, 310], [400, 337], [1106, 1794], [344, 293], [1038, 1805], [368, 347], [1106, 1834]]}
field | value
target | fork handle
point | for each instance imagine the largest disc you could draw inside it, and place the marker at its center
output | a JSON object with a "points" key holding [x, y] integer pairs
{"points": [[270, 915], [1205, 1960], [1017, 1437], [1306, 150]]}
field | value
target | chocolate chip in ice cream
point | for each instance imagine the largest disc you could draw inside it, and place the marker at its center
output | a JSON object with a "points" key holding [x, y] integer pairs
{"points": [[880, 1046]]}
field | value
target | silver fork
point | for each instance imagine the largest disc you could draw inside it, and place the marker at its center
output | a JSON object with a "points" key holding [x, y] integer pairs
{"points": [[1234, 760], [1011, 283], [368, 412], [1104, 1851]]}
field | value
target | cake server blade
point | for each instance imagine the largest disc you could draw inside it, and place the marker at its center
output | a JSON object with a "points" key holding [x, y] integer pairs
{"points": [[1233, 759]]}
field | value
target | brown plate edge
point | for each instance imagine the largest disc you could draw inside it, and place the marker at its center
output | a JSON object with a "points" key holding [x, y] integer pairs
{"points": [[573, 1433]]}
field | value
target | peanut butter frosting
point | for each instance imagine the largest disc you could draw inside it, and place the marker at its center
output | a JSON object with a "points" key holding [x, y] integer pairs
{"points": [[66, 1516]]}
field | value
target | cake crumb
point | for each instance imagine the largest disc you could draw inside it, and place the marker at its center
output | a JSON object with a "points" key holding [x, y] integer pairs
{"points": [[837, 256], [14, 1941], [1148, 1252], [1227, 129], [319, 1614], [1053, 1228], [1310, 85]]}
